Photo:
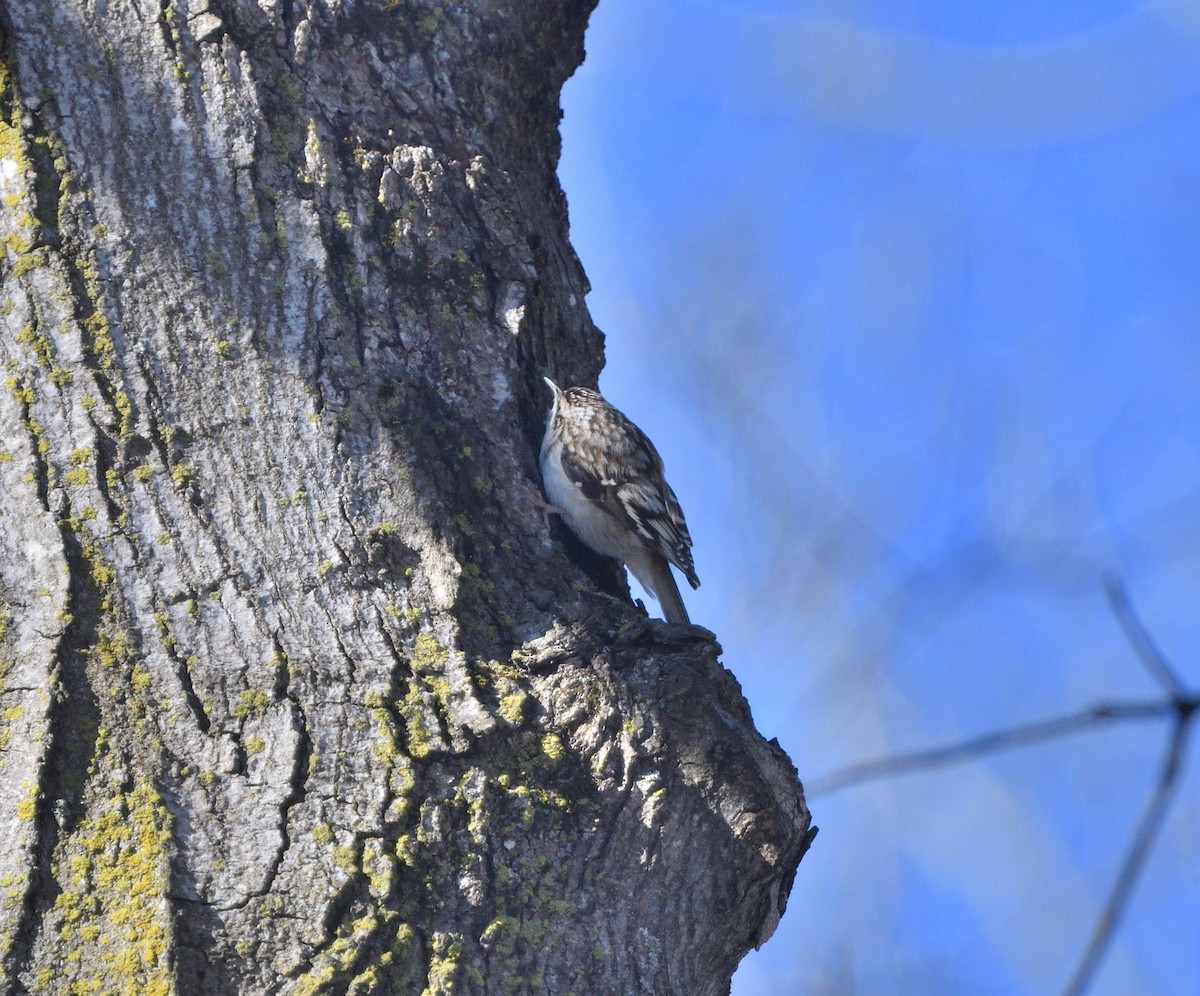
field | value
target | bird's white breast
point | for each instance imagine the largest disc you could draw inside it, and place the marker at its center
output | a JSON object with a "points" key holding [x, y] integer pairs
{"points": [[587, 520]]}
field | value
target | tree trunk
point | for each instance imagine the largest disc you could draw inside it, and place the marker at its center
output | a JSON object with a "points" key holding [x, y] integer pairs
{"points": [[297, 691]]}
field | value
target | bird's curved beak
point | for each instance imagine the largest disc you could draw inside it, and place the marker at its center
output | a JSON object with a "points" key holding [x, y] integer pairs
{"points": [[553, 386]]}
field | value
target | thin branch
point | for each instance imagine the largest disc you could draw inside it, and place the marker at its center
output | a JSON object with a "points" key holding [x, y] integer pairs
{"points": [[1140, 639], [1182, 705], [1135, 860], [987, 743]]}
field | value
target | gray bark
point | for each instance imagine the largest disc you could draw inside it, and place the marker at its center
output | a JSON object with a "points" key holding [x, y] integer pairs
{"points": [[297, 691]]}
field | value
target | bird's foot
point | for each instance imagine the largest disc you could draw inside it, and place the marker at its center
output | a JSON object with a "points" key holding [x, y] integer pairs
{"points": [[546, 510]]}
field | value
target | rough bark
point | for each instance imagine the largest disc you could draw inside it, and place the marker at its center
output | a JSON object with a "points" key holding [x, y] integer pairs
{"points": [[297, 692]]}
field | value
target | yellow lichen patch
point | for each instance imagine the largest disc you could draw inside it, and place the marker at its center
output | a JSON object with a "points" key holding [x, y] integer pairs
{"points": [[140, 679], [428, 654], [512, 706], [103, 574], [98, 341], [316, 981], [125, 410], [387, 744], [416, 728], [183, 474], [15, 169], [379, 866], [14, 163], [27, 807], [113, 897], [443, 965], [251, 703], [333, 967], [112, 651], [552, 746]]}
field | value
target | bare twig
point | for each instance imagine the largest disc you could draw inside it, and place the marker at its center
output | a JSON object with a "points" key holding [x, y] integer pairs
{"points": [[987, 743], [1140, 639], [1135, 860], [1179, 704]]}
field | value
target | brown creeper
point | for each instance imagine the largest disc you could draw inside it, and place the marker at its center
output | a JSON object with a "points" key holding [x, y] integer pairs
{"points": [[605, 478]]}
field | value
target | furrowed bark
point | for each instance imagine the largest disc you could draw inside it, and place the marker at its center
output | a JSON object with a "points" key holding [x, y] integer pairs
{"points": [[297, 693]]}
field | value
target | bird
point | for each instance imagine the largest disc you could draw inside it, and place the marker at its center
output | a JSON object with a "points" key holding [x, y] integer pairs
{"points": [[604, 478]]}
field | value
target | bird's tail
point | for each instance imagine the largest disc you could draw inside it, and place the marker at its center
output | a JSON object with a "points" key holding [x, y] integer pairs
{"points": [[655, 575]]}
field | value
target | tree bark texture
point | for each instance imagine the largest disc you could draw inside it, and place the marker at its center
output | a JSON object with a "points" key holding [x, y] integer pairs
{"points": [[298, 692]]}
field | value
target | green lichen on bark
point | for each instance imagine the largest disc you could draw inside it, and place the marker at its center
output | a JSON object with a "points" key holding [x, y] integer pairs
{"points": [[109, 930], [14, 168], [416, 871]]}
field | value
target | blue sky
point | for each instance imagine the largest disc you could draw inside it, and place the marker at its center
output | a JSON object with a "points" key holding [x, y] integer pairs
{"points": [[906, 294]]}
